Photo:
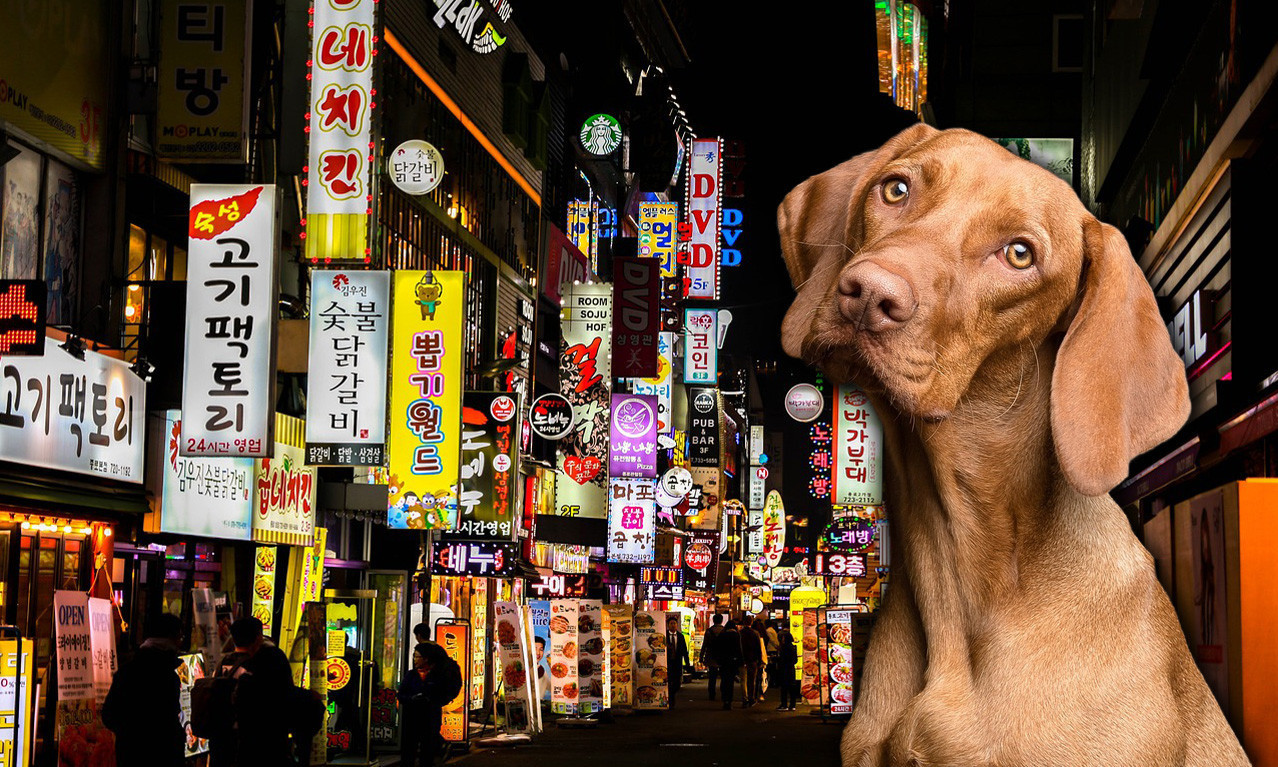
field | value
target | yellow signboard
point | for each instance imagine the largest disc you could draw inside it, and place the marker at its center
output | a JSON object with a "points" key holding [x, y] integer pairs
{"points": [[53, 78], [424, 437], [200, 94], [17, 721]]}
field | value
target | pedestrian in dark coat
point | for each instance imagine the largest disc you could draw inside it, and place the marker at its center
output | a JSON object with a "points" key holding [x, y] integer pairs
{"points": [[752, 659], [787, 659], [143, 707], [263, 700], [432, 683], [727, 650], [676, 656], [707, 650]]}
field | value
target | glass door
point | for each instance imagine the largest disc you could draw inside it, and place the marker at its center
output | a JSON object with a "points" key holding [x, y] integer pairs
{"points": [[391, 644], [350, 667]]}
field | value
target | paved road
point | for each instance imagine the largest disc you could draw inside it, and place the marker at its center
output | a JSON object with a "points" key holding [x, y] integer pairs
{"points": [[697, 733]]}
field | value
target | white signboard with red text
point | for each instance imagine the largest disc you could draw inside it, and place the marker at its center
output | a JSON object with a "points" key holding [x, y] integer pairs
{"points": [[228, 393], [858, 449], [705, 215], [700, 347]]}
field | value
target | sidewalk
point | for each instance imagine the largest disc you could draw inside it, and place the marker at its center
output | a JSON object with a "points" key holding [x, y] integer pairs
{"points": [[698, 733]]}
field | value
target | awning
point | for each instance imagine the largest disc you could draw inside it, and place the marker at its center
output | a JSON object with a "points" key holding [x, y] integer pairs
{"points": [[66, 491], [1176, 464], [1258, 421]]}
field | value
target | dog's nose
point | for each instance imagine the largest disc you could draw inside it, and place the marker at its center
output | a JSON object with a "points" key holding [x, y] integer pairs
{"points": [[875, 299]]}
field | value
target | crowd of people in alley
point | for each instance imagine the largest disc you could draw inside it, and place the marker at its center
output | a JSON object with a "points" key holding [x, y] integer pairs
{"points": [[744, 650]]}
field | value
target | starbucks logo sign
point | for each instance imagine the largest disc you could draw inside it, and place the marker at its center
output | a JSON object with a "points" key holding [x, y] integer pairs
{"points": [[600, 134]]}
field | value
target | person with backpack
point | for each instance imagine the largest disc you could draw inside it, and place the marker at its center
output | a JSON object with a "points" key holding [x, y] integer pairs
{"points": [[243, 708], [707, 650], [143, 706], [787, 659], [727, 651], [432, 683]]}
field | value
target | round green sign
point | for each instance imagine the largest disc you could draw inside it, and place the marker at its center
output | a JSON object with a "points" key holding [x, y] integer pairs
{"points": [[600, 134]]}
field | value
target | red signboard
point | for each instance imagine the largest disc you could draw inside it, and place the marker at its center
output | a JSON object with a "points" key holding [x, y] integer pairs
{"points": [[636, 284], [564, 263]]}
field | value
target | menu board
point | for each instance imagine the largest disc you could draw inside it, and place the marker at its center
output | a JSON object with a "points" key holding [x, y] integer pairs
{"points": [[539, 615], [191, 668], [479, 640], [810, 687], [802, 598], [620, 641], [508, 623], [264, 587], [590, 658], [651, 665], [455, 638], [836, 654], [564, 683]]}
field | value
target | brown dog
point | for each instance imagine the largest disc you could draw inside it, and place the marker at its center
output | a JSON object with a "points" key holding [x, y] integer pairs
{"points": [[1016, 356]]}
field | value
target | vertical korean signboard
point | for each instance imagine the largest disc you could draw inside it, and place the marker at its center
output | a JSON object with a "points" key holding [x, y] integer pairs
{"points": [[632, 521], [228, 394], [858, 449], [564, 683], [286, 490], [657, 226], [339, 170], [455, 717], [633, 447], [585, 379], [636, 316], [700, 346], [201, 99], [701, 560], [346, 400], [425, 400], [661, 385], [486, 506], [773, 529], [17, 700], [705, 214]]}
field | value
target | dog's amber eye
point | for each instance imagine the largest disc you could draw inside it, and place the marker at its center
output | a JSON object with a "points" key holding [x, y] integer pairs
{"points": [[895, 190], [1018, 255]]}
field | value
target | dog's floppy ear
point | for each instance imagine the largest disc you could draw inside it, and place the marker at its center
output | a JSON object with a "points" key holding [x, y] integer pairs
{"points": [[814, 221], [1118, 388]]}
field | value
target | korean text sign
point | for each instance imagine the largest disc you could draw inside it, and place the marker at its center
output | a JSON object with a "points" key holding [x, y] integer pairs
{"points": [[703, 426], [455, 639], [632, 521], [339, 163], [201, 95], [346, 399], [700, 346], [701, 560], [204, 496], [633, 447], [228, 394], [636, 316], [486, 506], [657, 222], [426, 392], [858, 449], [585, 379], [84, 416], [285, 498], [705, 215], [661, 385]]}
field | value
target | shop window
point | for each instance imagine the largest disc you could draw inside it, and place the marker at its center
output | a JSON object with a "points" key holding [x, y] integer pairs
{"points": [[152, 259], [47, 561]]}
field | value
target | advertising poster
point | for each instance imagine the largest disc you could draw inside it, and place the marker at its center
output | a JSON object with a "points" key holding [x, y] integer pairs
{"points": [[284, 500], [512, 657], [708, 481], [705, 215], [839, 670], [858, 449], [652, 673], [340, 129], [200, 98], [632, 520], [661, 385], [862, 626], [17, 700], [478, 640], [703, 426], [455, 639], [700, 346], [210, 497], [632, 450], [346, 368], [636, 316], [539, 614], [190, 670], [591, 664], [204, 632], [657, 227], [84, 645], [701, 560], [564, 652], [810, 686], [228, 389], [486, 505], [264, 569], [620, 642], [803, 598], [72, 641], [424, 438], [102, 435], [585, 379], [1208, 636]]}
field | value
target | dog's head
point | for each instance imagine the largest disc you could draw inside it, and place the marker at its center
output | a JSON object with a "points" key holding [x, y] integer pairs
{"points": [[922, 265]]}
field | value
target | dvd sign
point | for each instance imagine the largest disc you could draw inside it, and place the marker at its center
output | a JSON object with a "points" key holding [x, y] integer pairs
{"points": [[551, 416]]}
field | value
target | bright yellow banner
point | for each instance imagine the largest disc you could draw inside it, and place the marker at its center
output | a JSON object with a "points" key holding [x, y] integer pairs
{"points": [[424, 435]]}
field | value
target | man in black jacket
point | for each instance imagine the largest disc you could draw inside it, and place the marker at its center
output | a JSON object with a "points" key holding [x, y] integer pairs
{"points": [[262, 699], [727, 650], [142, 707], [752, 658]]}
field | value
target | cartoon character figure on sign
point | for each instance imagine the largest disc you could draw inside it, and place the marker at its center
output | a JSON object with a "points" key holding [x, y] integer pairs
{"points": [[428, 295]]}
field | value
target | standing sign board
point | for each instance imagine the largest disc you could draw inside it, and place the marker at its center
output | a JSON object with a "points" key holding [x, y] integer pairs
{"points": [[592, 666], [620, 647], [340, 159], [564, 652], [228, 390], [84, 416], [84, 642], [346, 399], [486, 506], [700, 346], [652, 670], [424, 441], [837, 688], [705, 215], [539, 617], [508, 621], [803, 598], [858, 449], [455, 639], [17, 700]]}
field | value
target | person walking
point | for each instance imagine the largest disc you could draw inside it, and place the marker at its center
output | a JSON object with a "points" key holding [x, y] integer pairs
{"points": [[676, 656], [143, 707], [708, 658], [263, 689], [727, 651], [772, 645], [763, 660], [432, 683], [783, 677], [751, 658]]}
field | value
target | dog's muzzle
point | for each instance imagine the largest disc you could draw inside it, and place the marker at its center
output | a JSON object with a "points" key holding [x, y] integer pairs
{"points": [[875, 299]]}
